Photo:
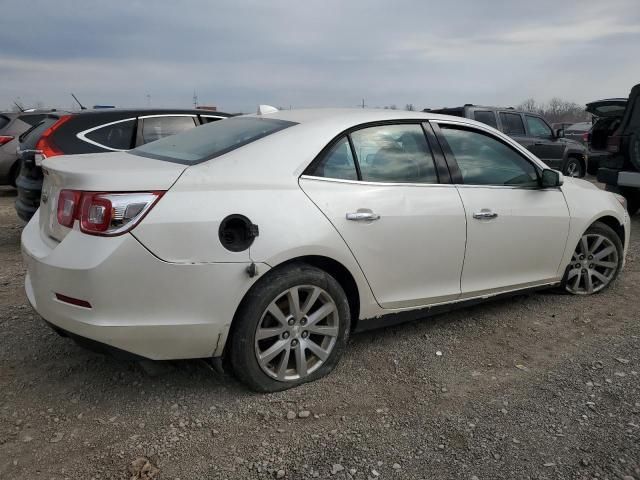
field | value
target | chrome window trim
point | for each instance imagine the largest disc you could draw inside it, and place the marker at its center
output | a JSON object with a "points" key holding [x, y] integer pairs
{"points": [[368, 182], [82, 135], [399, 184], [192, 115]]}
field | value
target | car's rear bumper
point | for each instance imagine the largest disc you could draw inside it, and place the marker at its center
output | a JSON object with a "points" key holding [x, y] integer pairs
{"points": [[138, 303]]}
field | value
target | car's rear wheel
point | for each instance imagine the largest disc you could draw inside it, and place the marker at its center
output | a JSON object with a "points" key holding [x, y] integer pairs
{"points": [[573, 168], [596, 261], [292, 328]]}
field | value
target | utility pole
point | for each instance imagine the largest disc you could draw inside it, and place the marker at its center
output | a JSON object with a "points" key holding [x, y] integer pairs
{"points": [[363, 103], [195, 100]]}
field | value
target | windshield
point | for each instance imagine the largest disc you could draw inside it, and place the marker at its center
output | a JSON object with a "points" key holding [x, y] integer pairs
{"points": [[211, 140]]}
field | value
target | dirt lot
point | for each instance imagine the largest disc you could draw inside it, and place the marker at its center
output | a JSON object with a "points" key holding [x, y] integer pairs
{"points": [[543, 386]]}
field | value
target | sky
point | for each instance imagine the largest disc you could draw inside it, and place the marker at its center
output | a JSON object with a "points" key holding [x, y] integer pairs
{"points": [[312, 53]]}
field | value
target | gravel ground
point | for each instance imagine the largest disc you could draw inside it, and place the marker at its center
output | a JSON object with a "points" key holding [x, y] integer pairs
{"points": [[541, 386]]}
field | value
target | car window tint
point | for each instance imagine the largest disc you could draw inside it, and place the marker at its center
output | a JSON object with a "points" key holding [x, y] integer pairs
{"points": [[487, 117], [118, 135], [32, 119], [485, 160], [212, 140], [537, 127], [4, 121], [394, 153], [155, 128], [209, 119], [337, 163], [512, 123]]}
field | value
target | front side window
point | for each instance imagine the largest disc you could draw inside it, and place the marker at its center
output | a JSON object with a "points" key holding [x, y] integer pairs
{"points": [[537, 127], [485, 160], [337, 163], [394, 153], [117, 136], [486, 116], [512, 123], [211, 140], [155, 128]]}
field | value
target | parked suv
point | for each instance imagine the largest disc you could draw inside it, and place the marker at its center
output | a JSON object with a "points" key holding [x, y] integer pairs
{"points": [[531, 131], [615, 138], [12, 125], [94, 131]]}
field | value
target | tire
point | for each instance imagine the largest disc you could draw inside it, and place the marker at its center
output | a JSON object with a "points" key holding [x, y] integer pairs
{"points": [[14, 173], [268, 308], [573, 168], [592, 269]]}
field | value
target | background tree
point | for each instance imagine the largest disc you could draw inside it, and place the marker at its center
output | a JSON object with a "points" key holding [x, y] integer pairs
{"points": [[556, 110]]}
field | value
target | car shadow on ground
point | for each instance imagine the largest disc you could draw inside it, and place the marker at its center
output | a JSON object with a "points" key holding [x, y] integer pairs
{"points": [[199, 377]]}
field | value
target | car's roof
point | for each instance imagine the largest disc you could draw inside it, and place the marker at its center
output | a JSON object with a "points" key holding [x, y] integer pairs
{"points": [[349, 115], [150, 111]]}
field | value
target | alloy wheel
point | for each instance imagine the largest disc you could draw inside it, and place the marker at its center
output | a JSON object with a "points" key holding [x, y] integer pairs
{"points": [[296, 333], [593, 265], [573, 169]]}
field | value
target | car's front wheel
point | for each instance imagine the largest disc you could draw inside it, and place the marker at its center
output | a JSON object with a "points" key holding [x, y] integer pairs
{"points": [[596, 261], [291, 328]]}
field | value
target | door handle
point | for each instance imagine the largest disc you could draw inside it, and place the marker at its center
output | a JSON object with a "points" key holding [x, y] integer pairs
{"points": [[484, 214], [362, 216]]}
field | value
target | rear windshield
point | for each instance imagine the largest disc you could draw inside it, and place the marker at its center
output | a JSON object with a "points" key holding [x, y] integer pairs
{"points": [[29, 138], [211, 140]]}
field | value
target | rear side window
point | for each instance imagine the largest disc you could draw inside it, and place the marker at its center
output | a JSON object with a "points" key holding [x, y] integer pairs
{"points": [[486, 117], [212, 140], [337, 163], [394, 153], [155, 128], [4, 121], [512, 123], [114, 136]]}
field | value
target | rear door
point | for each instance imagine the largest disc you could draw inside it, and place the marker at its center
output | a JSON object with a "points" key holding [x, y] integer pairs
{"points": [[516, 231], [545, 144], [379, 187]]}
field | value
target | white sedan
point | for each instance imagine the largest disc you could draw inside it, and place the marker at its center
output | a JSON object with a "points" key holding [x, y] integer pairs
{"points": [[267, 239]]}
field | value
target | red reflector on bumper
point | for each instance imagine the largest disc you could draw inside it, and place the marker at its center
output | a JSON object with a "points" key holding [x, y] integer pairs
{"points": [[73, 301]]}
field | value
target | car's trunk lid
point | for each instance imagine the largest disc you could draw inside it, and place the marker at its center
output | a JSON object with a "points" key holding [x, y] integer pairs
{"points": [[99, 172], [610, 107]]}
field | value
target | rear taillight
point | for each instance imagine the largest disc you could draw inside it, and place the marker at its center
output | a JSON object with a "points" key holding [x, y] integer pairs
{"points": [[45, 144], [5, 139], [585, 137], [102, 213], [613, 143], [68, 202]]}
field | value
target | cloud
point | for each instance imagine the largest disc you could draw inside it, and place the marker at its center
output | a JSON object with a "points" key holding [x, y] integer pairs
{"points": [[316, 53]]}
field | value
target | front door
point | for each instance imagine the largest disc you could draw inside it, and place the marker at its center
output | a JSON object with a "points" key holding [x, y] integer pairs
{"points": [[545, 145], [516, 231], [379, 188]]}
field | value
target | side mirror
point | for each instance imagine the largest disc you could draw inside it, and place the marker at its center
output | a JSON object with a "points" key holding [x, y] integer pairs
{"points": [[551, 178], [560, 133]]}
